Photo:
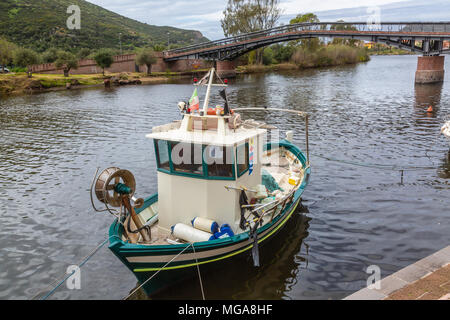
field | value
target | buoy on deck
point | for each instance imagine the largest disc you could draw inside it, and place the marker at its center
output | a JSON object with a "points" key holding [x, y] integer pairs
{"points": [[190, 234], [225, 232], [204, 224], [430, 109]]}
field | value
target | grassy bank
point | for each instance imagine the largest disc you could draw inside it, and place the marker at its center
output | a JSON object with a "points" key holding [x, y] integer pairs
{"points": [[19, 83]]}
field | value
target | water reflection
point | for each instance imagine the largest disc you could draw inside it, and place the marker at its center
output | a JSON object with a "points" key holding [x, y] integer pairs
{"points": [[444, 169], [426, 96]]}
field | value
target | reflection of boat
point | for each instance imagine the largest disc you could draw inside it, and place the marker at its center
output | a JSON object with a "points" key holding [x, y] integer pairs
{"points": [[446, 130], [221, 192]]}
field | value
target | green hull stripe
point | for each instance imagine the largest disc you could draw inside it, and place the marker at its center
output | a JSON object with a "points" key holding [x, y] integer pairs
{"points": [[220, 258]]}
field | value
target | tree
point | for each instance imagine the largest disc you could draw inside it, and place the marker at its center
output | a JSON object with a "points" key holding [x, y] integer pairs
{"points": [[305, 18], [159, 47], [244, 16], [283, 53], [146, 57], [6, 53], [104, 59], [341, 27], [83, 53], [308, 44], [26, 58], [67, 61], [50, 56]]}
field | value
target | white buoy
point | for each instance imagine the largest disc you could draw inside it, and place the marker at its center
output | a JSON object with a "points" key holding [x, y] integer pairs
{"points": [[204, 224], [190, 234], [446, 129], [290, 136]]}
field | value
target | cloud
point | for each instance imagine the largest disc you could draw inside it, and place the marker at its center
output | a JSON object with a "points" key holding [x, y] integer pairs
{"points": [[205, 15], [294, 7]]}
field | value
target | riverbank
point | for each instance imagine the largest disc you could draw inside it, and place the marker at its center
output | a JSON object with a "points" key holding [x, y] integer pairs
{"points": [[248, 69], [19, 83], [390, 52]]}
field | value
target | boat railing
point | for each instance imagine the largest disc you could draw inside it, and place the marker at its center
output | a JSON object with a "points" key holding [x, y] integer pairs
{"points": [[273, 206], [302, 114]]}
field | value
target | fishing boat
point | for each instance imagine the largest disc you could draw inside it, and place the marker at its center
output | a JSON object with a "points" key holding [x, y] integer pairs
{"points": [[222, 191]]}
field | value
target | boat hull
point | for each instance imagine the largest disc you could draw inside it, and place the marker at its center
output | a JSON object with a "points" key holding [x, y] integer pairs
{"points": [[160, 266]]}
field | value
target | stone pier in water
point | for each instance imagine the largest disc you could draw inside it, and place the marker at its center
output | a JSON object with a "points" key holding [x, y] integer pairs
{"points": [[430, 69]]}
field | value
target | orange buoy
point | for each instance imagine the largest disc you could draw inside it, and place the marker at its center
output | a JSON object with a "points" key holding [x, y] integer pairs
{"points": [[430, 109], [217, 111]]}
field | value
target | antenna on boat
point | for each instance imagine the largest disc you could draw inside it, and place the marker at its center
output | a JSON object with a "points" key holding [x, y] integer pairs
{"points": [[210, 76], [208, 91]]}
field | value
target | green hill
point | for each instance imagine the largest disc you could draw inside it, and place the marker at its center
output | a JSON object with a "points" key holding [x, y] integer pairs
{"points": [[42, 24]]}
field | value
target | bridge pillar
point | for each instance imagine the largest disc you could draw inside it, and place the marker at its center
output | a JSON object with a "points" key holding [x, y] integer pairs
{"points": [[430, 69], [226, 69]]}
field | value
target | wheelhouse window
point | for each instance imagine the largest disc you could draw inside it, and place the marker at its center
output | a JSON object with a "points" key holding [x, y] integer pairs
{"points": [[186, 158], [219, 161], [162, 154], [242, 159]]}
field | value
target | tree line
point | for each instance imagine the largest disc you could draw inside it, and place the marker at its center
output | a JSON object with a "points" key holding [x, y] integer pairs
{"points": [[239, 16], [24, 58], [245, 16]]}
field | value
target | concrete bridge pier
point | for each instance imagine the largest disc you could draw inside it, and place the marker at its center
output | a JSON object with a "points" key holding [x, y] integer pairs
{"points": [[226, 69], [430, 69]]}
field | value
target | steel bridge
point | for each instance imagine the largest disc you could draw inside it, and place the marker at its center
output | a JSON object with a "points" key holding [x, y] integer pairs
{"points": [[426, 38]]}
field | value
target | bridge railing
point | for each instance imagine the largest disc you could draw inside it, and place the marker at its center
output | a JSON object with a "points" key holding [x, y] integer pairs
{"points": [[431, 28]]}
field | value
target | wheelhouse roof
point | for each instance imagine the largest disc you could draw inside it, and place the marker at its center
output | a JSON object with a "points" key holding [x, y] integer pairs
{"points": [[230, 137]]}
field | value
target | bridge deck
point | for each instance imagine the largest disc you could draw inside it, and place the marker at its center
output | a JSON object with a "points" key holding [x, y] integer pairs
{"points": [[403, 35]]}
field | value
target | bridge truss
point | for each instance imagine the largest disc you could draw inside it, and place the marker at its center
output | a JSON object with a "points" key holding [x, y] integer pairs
{"points": [[426, 38]]}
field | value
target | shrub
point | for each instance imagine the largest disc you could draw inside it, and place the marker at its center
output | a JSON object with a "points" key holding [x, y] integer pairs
{"points": [[331, 55], [6, 52], [104, 59], [123, 76], [67, 61], [146, 57], [50, 56], [26, 58]]}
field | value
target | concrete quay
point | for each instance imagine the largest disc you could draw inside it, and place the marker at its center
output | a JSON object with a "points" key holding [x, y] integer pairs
{"points": [[427, 279]]}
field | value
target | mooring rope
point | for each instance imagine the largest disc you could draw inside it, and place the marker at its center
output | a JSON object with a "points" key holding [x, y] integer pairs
{"points": [[150, 278], [378, 166], [67, 276], [199, 275]]}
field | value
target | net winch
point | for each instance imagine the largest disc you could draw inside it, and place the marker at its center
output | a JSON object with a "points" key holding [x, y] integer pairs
{"points": [[115, 188]]}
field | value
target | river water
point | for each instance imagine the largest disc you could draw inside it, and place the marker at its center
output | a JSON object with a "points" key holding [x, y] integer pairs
{"points": [[353, 216]]}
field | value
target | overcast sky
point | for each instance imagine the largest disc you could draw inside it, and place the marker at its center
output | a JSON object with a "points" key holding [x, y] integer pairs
{"points": [[205, 15]]}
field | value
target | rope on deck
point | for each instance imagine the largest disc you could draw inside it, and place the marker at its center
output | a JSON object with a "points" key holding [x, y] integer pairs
{"points": [[199, 275]]}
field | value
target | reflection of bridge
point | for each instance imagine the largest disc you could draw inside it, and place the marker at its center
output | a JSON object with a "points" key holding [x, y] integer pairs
{"points": [[424, 38]]}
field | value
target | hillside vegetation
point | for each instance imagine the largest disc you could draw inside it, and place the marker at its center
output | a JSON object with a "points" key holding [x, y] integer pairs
{"points": [[41, 25]]}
